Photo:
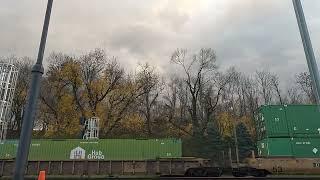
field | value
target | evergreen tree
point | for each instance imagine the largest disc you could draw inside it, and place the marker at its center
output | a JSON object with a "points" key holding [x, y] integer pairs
{"points": [[245, 143], [215, 143], [209, 146], [215, 138]]}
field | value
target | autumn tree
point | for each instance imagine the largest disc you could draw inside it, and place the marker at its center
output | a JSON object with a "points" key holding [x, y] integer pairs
{"points": [[59, 116], [101, 75], [90, 85], [225, 125], [120, 103], [20, 95]]}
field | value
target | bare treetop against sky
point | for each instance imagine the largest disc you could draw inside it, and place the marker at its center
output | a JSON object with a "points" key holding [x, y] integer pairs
{"points": [[249, 34]]}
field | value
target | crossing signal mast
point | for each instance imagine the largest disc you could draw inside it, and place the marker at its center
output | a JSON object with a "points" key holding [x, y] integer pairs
{"points": [[8, 80]]}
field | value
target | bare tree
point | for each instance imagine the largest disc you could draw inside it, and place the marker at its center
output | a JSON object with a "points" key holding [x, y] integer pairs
{"points": [[251, 93], [152, 87], [264, 79], [175, 102], [212, 93], [275, 83], [196, 70], [293, 96], [304, 82]]}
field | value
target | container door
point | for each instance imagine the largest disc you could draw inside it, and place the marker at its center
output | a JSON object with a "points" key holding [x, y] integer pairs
{"points": [[276, 121], [305, 120], [279, 147], [306, 147]]}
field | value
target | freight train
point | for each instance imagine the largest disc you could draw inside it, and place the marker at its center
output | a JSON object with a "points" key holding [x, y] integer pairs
{"points": [[289, 140], [101, 157]]}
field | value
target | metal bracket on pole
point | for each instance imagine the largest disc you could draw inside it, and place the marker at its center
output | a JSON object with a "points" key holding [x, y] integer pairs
{"points": [[30, 111], [308, 50]]}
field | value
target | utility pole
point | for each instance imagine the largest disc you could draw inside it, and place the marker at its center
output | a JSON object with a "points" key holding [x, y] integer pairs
{"points": [[235, 136], [236, 141], [30, 111], [308, 50]]}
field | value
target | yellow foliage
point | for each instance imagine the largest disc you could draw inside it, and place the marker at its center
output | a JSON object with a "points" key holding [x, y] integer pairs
{"points": [[133, 123], [225, 123], [67, 122], [172, 131], [249, 123]]}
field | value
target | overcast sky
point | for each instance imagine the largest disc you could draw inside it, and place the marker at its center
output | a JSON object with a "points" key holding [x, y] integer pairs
{"points": [[248, 34]]}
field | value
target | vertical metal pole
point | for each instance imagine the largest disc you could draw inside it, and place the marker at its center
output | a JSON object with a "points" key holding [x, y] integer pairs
{"points": [[28, 119], [235, 135], [223, 159], [230, 156], [236, 141], [308, 50]]}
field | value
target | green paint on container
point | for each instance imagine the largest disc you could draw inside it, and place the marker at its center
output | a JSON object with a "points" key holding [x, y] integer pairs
{"points": [[292, 147], [306, 147], [102, 149], [305, 120], [287, 121], [275, 147], [271, 121]]}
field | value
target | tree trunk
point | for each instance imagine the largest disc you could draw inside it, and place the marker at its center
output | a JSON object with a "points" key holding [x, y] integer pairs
{"points": [[196, 127]]}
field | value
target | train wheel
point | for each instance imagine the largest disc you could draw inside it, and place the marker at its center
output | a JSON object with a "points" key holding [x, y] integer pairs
{"points": [[196, 172], [260, 173], [239, 172]]}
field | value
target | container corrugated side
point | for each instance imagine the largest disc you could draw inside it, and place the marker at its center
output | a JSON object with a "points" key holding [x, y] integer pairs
{"points": [[304, 120], [288, 121], [293, 147], [306, 147], [106, 149], [275, 147], [271, 121], [8, 149]]}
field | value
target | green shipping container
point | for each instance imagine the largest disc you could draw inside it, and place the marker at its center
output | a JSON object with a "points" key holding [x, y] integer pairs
{"points": [[306, 147], [102, 149], [293, 147], [274, 147], [287, 121], [304, 120], [271, 121]]}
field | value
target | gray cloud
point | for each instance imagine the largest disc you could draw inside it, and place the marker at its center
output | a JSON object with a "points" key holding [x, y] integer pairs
{"points": [[248, 34]]}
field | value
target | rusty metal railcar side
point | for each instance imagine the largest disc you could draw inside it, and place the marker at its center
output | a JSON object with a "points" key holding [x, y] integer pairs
{"points": [[92, 168], [287, 165]]}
